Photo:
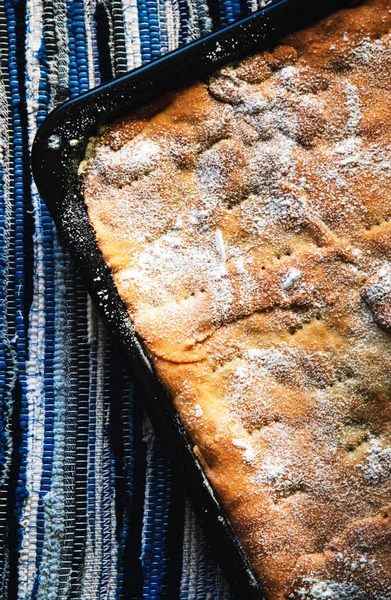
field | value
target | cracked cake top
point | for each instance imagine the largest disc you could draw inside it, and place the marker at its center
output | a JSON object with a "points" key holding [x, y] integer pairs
{"points": [[247, 223]]}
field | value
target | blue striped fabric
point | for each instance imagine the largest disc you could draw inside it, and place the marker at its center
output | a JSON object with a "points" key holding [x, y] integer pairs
{"points": [[90, 508]]}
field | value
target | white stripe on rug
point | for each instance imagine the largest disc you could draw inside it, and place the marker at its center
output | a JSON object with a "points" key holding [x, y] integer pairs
{"points": [[36, 334], [54, 500], [132, 35]]}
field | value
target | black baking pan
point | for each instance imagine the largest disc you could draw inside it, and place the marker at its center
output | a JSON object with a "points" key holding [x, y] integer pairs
{"points": [[58, 149]]}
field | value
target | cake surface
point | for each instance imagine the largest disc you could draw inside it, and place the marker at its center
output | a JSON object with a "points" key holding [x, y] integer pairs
{"points": [[247, 224]]}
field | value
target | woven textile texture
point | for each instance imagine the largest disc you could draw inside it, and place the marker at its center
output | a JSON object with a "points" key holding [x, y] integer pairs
{"points": [[89, 506]]}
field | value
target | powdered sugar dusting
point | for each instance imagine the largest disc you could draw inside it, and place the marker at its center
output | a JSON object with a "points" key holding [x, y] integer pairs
{"points": [[377, 465], [198, 411], [381, 288], [249, 454], [327, 590], [292, 276], [353, 106], [220, 245], [131, 161]]}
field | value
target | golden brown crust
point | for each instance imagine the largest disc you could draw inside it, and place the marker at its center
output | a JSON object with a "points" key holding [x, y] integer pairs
{"points": [[247, 225]]}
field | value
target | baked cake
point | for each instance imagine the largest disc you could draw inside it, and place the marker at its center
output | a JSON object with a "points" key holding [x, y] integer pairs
{"points": [[247, 224]]}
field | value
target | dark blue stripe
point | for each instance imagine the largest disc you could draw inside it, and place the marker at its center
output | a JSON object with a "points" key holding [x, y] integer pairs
{"points": [[184, 22], [119, 37], [123, 426], [232, 10], [108, 469], [77, 302], [91, 486], [78, 58], [3, 317], [153, 557], [149, 29], [44, 93], [12, 351]]}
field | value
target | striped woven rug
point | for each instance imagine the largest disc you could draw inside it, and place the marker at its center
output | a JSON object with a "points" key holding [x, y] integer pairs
{"points": [[89, 506]]}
